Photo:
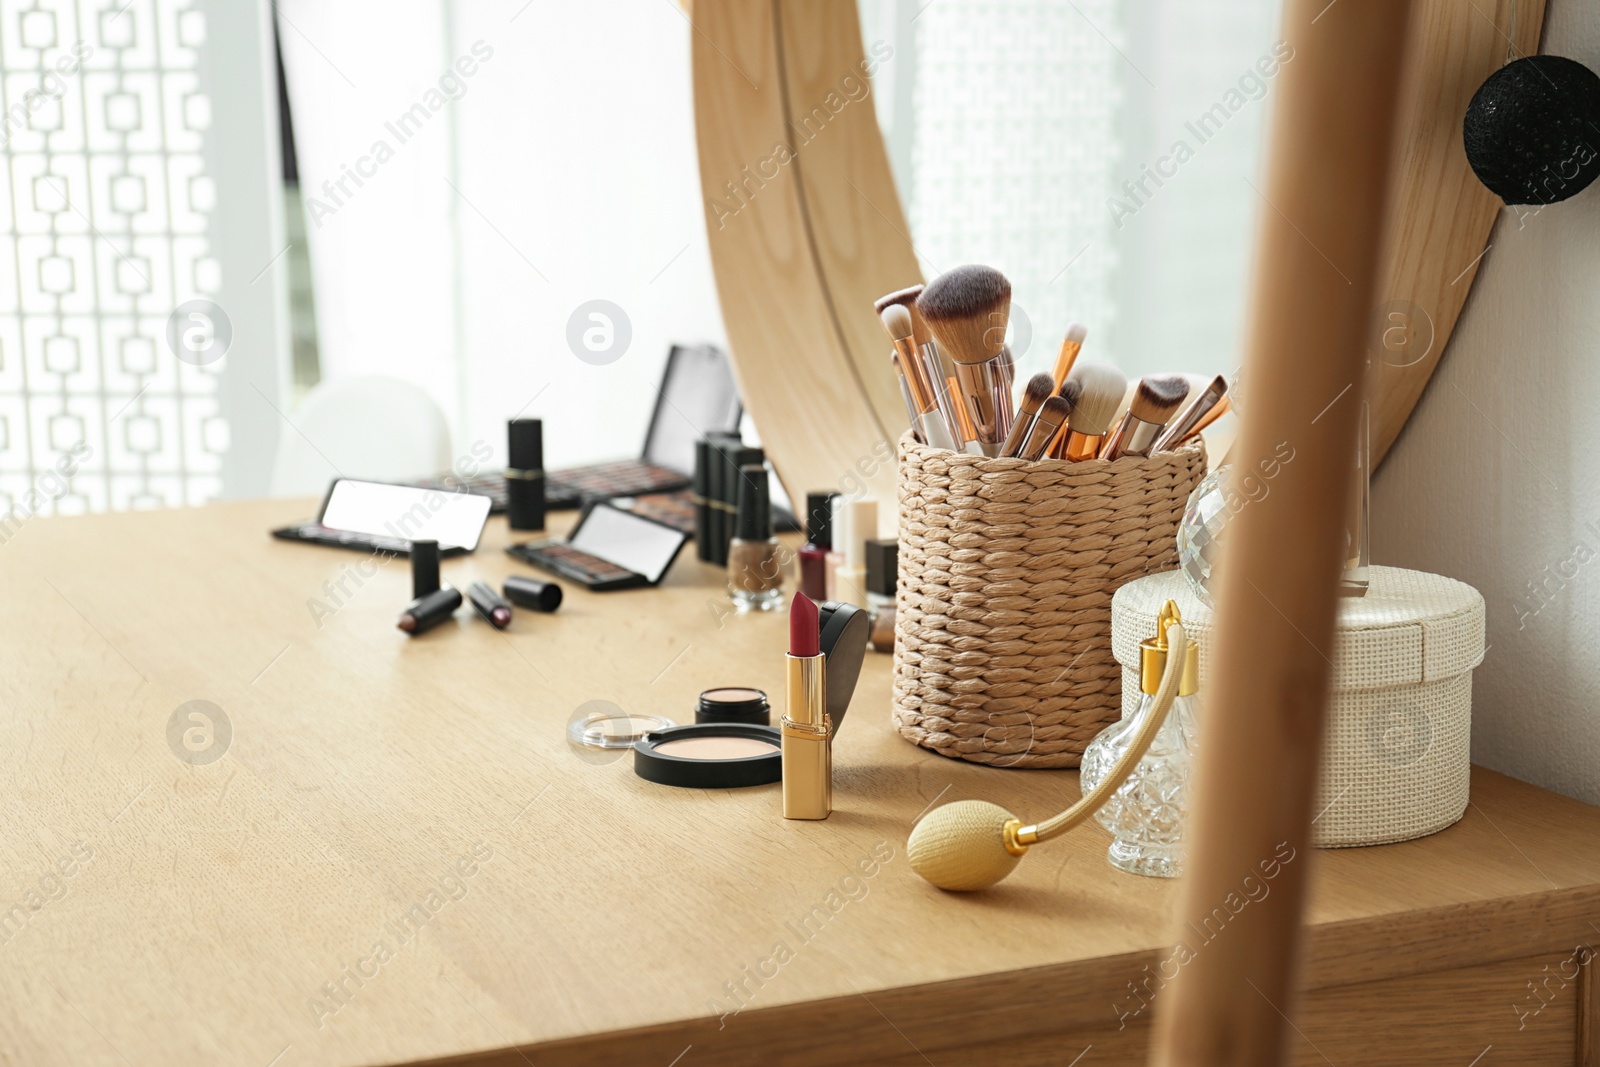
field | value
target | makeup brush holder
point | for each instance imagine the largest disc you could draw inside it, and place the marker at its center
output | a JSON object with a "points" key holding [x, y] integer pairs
{"points": [[1006, 572], [1396, 754]]}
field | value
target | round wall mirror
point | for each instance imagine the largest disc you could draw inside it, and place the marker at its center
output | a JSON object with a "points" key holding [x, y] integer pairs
{"points": [[1102, 154]]}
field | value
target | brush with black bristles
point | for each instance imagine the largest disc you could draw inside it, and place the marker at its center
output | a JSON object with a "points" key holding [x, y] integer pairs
{"points": [[1198, 413], [1100, 394], [1034, 394], [1071, 390], [967, 309], [1052, 417], [1153, 405]]}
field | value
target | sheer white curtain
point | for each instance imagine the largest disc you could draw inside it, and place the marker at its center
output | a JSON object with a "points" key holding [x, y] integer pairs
{"points": [[548, 162]]}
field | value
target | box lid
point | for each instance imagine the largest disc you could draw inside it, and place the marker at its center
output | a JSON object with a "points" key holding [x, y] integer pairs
{"points": [[1411, 627]]}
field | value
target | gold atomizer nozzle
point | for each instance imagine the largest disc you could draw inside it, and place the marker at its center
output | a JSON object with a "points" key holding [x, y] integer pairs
{"points": [[1153, 656]]}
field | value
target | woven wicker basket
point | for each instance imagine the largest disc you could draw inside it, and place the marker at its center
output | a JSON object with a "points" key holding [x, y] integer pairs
{"points": [[1007, 569]]}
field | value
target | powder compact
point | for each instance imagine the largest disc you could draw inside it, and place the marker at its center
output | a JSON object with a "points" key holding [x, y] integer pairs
{"points": [[716, 755], [731, 744], [734, 704]]}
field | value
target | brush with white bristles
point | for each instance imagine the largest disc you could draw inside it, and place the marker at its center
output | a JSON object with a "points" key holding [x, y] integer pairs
{"points": [[1102, 386], [926, 419], [1152, 407]]}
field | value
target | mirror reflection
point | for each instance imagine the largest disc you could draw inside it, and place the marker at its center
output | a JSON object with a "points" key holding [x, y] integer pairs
{"points": [[1103, 154]]}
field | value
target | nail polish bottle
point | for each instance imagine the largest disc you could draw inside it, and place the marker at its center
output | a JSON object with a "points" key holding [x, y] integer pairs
{"points": [[882, 575], [755, 563], [850, 577], [819, 540]]}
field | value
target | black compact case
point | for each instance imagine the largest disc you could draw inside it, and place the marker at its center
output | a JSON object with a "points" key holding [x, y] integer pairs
{"points": [[609, 548], [843, 642]]}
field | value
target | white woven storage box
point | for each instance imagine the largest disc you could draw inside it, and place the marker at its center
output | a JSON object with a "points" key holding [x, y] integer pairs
{"points": [[1396, 759]]}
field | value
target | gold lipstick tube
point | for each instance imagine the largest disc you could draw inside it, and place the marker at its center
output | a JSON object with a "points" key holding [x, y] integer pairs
{"points": [[807, 754]]}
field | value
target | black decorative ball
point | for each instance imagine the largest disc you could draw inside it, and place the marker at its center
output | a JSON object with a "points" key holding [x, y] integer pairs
{"points": [[1532, 130]]}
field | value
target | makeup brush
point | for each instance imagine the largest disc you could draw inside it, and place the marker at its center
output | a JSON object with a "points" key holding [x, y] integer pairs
{"points": [[1102, 389], [969, 432], [1070, 347], [912, 415], [1071, 390], [1153, 405], [1224, 406], [906, 298], [928, 361], [1052, 416], [1183, 427], [929, 423], [1034, 394], [967, 309]]}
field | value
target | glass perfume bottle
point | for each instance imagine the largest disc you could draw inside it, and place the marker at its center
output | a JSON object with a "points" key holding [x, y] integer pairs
{"points": [[1358, 534], [1146, 815]]}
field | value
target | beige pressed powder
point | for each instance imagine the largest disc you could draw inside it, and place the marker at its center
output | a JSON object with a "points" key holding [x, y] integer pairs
{"points": [[717, 748]]}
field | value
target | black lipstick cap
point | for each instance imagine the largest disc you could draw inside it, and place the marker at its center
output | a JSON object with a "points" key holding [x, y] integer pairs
{"points": [[532, 593], [755, 504], [819, 519], [525, 474], [702, 499], [882, 560], [424, 568]]}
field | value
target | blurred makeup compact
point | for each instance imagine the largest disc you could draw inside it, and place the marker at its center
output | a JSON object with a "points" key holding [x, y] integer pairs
{"points": [[731, 744], [734, 704]]}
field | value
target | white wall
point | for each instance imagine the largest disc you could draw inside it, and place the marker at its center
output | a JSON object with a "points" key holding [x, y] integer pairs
{"points": [[1495, 479]]}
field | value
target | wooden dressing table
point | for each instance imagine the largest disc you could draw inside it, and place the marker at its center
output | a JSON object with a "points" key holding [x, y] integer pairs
{"points": [[399, 859]]}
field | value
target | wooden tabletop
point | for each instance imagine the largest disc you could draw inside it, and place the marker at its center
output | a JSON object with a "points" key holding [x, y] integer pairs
{"points": [[397, 857]]}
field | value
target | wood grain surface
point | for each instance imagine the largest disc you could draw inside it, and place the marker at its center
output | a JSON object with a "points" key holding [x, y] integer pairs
{"points": [[805, 231], [158, 912], [1440, 215]]}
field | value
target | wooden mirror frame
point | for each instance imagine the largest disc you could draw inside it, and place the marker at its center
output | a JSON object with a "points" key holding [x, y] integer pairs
{"points": [[806, 228]]}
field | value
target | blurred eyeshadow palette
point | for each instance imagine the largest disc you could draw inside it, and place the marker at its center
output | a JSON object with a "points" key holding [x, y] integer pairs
{"points": [[609, 548]]}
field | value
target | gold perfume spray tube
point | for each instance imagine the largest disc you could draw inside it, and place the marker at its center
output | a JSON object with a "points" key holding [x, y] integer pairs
{"points": [[807, 756]]}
